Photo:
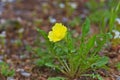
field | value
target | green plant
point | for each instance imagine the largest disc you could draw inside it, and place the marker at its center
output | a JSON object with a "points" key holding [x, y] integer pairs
{"points": [[94, 76], [75, 22], [118, 65], [67, 56], [5, 71], [93, 5], [55, 78], [113, 15], [102, 14], [114, 28]]}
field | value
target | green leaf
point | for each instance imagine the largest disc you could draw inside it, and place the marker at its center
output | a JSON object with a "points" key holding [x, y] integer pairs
{"points": [[40, 62], [118, 65], [94, 76], [56, 78], [70, 42], [101, 62], [75, 22], [99, 77], [86, 27], [114, 14], [51, 65], [2, 63], [91, 42], [43, 33], [5, 71], [29, 48]]}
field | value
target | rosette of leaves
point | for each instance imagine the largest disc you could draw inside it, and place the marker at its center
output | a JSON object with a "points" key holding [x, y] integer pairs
{"points": [[74, 57]]}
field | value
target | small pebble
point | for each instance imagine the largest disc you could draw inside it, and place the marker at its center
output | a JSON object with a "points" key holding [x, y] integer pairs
{"points": [[1, 61], [20, 70], [52, 20], [21, 30], [1, 57], [118, 78], [19, 19], [3, 34], [117, 34], [10, 78], [118, 20], [2, 21], [61, 5], [23, 56], [64, 19], [10, 1], [25, 74], [73, 5]]}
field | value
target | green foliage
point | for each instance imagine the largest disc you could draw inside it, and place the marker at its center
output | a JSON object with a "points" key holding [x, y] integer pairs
{"points": [[71, 59], [93, 5], [118, 65], [113, 15], [94, 76], [5, 71], [86, 28], [98, 16], [75, 22], [104, 13], [56, 78], [43, 33], [101, 62], [114, 29], [111, 3]]}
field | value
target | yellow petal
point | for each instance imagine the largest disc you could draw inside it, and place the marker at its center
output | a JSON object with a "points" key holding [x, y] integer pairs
{"points": [[58, 32]]}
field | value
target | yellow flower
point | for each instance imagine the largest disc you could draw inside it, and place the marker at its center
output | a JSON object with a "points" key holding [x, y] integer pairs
{"points": [[58, 32]]}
